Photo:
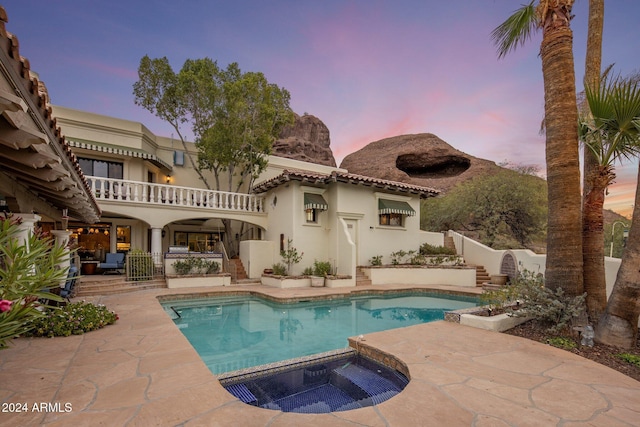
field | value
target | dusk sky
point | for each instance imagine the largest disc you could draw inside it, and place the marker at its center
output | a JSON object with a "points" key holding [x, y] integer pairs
{"points": [[368, 69]]}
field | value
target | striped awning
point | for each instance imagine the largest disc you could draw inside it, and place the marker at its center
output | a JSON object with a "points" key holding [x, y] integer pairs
{"points": [[315, 201], [112, 149], [395, 207]]}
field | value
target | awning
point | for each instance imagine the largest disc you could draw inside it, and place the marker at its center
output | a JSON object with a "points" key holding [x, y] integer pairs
{"points": [[315, 201], [129, 152], [395, 207]]}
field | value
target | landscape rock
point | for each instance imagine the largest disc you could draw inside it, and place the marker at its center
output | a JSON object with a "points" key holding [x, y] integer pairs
{"points": [[307, 140], [418, 159]]}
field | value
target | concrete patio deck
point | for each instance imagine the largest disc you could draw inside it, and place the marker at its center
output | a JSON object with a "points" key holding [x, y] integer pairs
{"points": [[143, 372]]}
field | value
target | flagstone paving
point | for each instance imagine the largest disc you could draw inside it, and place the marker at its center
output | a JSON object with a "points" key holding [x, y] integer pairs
{"points": [[141, 371]]}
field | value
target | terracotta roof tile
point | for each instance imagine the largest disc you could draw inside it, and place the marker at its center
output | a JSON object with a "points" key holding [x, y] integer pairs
{"points": [[345, 177]]}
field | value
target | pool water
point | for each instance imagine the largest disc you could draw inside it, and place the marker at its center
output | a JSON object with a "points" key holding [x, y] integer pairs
{"points": [[232, 333]]}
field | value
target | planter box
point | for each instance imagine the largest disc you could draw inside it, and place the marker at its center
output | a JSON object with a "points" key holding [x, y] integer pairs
{"points": [[339, 282], [499, 279], [422, 275], [317, 281], [499, 323], [286, 281], [198, 281]]}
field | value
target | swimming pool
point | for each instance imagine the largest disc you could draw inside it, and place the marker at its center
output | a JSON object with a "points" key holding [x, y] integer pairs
{"points": [[232, 333]]}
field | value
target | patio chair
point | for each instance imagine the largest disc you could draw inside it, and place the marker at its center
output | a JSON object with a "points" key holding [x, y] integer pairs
{"points": [[70, 284], [114, 262]]}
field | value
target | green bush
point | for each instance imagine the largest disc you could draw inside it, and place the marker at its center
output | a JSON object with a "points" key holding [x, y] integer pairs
{"points": [[553, 308], [279, 269], [26, 277], [321, 268], [398, 257], [376, 260], [562, 342], [196, 265], [427, 249], [72, 319], [308, 271]]}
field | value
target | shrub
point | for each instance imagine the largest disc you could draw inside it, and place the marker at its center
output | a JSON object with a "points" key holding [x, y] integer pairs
{"points": [[427, 249], [72, 319], [376, 260], [196, 265], [397, 257], [308, 271], [26, 277], [321, 268], [279, 269], [549, 307]]}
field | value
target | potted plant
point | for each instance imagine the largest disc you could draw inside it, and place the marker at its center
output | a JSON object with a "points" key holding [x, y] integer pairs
{"points": [[321, 269]]}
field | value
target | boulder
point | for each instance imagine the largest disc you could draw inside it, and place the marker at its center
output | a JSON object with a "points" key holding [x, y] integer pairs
{"points": [[420, 159], [307, 140]]}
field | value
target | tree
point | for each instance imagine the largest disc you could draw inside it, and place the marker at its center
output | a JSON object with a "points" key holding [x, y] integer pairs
{"points": [[616, 116], [593, 193], [564, 237], [608, 134], [234, 117], [507, 203]]}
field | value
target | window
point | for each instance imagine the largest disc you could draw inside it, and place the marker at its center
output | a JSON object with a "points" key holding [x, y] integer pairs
{"points": [[101, 168], [313, 204], [393, 212], [197, 242], [392, 219]]}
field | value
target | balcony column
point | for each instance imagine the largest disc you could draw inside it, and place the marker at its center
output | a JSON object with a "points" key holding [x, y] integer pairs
{"points": [[26, 226], [156, 244]]}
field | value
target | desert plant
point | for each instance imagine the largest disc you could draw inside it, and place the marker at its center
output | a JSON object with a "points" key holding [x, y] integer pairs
{"points": [[72, 319], [290, 256], [28, 269], [183, 266], [417, 259], [552, 308], [321, 268], [279, 269], [376, 260], [308, 271]]}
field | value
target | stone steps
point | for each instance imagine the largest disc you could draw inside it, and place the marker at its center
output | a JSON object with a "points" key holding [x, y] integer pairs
{"points": [[361, 278], [115, 286], [482, 276], [237, 272]]}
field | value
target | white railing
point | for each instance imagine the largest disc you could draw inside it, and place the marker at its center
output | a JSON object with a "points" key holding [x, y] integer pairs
{"points": [[171, 195]]}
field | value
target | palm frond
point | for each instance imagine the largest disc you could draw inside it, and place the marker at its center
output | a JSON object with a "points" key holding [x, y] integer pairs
{"points": [[516, 30]]}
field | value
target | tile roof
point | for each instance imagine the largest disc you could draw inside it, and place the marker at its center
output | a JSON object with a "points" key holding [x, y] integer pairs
{"points": [[318, 178], [27, 86]]}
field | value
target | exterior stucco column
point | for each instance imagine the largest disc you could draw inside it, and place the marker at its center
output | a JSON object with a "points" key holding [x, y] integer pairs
{"points": [[61, 238], [26, 226], [156, 244]]}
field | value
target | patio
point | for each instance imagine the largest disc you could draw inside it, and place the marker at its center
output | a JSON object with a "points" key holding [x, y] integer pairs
{"points": [[142, 371]]}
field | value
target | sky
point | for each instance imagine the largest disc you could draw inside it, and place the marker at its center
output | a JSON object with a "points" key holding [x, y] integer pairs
{"points": [[368, 69]]}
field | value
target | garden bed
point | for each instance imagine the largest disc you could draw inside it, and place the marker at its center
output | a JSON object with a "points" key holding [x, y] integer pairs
{"points": [[197, 280]]}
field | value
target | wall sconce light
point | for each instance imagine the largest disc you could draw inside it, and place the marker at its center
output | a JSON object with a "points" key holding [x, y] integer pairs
{"points": [[168, 179]]}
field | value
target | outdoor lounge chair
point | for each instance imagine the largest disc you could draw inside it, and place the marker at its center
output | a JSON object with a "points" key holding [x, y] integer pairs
{"points": [[70, 284], [113, 262]]}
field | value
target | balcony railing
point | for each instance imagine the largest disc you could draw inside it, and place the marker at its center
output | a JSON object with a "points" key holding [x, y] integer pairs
{"points": [[170, 195]]}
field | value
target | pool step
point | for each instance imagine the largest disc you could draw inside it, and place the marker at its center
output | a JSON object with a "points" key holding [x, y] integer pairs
{"points": [[377, 387]]}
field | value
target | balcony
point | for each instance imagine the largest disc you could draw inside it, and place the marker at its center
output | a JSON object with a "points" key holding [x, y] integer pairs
{"points": [[136, 192]]}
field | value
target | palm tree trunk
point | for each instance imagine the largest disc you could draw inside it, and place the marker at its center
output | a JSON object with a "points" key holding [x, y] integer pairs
{"points": [[592, 217], [564, 233], [593, 242], [619, 324]]}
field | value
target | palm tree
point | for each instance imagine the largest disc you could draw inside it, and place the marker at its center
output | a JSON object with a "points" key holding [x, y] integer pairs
{"points": [[564, 237], [616, 120], [592, 215]]}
